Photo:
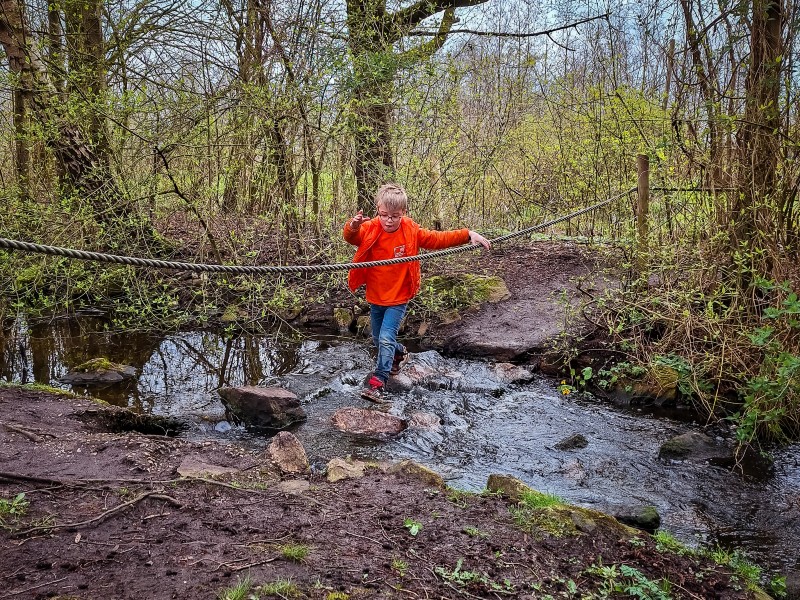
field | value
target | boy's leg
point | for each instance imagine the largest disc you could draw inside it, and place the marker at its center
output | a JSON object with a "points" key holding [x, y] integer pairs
{"points": [[376, 321], [387, 339]]}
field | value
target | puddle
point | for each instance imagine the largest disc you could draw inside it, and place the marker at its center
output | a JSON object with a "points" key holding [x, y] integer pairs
{"points": [[486, 427]]}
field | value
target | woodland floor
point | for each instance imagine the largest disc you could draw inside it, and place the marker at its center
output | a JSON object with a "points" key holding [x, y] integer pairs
{"points": [[105, 515], [108, 517]]}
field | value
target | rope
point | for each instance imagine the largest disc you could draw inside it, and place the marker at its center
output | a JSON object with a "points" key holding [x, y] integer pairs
{"points": [[255, 270]]}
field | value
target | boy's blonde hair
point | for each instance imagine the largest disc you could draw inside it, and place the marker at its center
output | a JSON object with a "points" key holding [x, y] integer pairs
{"points": [[392, 196]]}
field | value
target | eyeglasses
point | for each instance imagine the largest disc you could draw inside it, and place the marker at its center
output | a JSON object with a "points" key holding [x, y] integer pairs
{"points": [[385, 217]]}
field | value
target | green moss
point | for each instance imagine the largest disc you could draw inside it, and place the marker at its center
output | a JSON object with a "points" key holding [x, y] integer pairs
{"points": [[47, 389], [98, 364], [442, 293]]}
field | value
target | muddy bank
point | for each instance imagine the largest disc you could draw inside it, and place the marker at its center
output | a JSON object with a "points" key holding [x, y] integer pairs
{"points": [[107, 514]]}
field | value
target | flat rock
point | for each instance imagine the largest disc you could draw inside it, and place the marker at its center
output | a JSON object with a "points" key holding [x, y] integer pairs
{"points": [[409, 468], [510, 373], [367, 422], [645, 518], [573, 442], [425, 420], [293, 487], [339, 468]]}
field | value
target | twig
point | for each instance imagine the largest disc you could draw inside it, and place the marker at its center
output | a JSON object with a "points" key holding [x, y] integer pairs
{"points": [[101, 517], [18, 592], [399, 589], [247, 566], [28, 434], [20, 477]]}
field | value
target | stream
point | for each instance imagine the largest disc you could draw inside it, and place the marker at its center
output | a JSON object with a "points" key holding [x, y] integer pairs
{"points": [[486, 426]]}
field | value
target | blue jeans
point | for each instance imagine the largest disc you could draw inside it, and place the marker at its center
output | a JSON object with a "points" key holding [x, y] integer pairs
{"points": [[385, 321]]}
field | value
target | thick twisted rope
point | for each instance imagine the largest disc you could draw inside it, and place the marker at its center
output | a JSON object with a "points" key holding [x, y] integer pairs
{"points": [[255, 270]]}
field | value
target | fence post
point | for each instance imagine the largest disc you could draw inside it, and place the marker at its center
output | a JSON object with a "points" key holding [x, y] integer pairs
{"points": [[642, 208]]}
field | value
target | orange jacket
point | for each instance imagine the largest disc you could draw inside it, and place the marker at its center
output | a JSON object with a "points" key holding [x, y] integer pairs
{"points": [[415, 236]]}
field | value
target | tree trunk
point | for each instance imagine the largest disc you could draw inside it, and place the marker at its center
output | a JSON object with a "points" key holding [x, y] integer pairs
{"points": [[372, 34], [85, 162], [753, 218]]}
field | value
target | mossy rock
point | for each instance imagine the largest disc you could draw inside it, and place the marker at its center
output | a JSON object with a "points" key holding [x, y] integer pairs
{"points": [[419, 472], [508, 486], [99, 371], [465, 290]]}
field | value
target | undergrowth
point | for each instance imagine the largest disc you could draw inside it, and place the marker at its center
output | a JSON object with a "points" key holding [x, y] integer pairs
{"points": [[734, 353]]}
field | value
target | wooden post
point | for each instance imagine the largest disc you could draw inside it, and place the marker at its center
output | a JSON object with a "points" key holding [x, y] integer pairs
{"points": [[642, 208]]}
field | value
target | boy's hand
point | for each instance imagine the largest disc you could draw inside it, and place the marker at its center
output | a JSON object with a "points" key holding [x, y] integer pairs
{"points": [[476, 239], [356, 221]]}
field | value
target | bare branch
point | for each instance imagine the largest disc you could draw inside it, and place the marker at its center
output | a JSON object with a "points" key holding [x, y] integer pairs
{"points": [[547, 32], [411, 16]]}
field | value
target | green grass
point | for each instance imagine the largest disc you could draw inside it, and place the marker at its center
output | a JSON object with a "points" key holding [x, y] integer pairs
{"points": [[282, 588], [533, 500], [239, 591], [294, 552], [666, 542]]}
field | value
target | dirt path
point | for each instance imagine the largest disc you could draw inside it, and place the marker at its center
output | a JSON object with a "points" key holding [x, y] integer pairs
{"points": [[89, 511]]}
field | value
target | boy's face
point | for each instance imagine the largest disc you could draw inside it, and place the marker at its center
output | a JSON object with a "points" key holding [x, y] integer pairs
{"points": [[390, 219]]}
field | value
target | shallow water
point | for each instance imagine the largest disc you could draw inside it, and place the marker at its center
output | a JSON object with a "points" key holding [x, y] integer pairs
{"points": [[487, 427]]}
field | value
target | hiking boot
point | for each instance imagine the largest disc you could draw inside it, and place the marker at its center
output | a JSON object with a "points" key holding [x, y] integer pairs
{"points": [[400, 358], [373, 390]]}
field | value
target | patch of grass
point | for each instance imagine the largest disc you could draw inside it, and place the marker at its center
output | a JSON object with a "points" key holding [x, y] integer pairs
{"points": [[637, 542], [466, 578], [48, 389], [738, 562], [541, 511], [777, 586], [458, 497], [533, 499], [400, 566], [337, 596], [666, 542], [240, 591], [294, 552], [282, 588], [475, 532]]}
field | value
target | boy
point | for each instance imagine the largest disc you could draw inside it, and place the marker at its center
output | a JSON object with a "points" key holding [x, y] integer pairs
{"points": [[391, 234]]}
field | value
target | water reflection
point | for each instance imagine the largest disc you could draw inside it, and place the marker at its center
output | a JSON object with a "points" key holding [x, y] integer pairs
{"points": [[177, 374], [486, 427]]}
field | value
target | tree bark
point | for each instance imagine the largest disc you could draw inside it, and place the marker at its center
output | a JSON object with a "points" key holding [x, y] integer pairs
{"points": [[85, 164], [373, 32], [753, 217]]}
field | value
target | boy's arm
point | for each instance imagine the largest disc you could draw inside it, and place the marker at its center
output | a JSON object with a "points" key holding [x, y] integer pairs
{"points": [[438, 240], [352, 229]]}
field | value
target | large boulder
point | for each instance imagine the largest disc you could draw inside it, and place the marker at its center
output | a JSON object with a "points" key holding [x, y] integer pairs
{"points": [[263, 407], [367, 422]]}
